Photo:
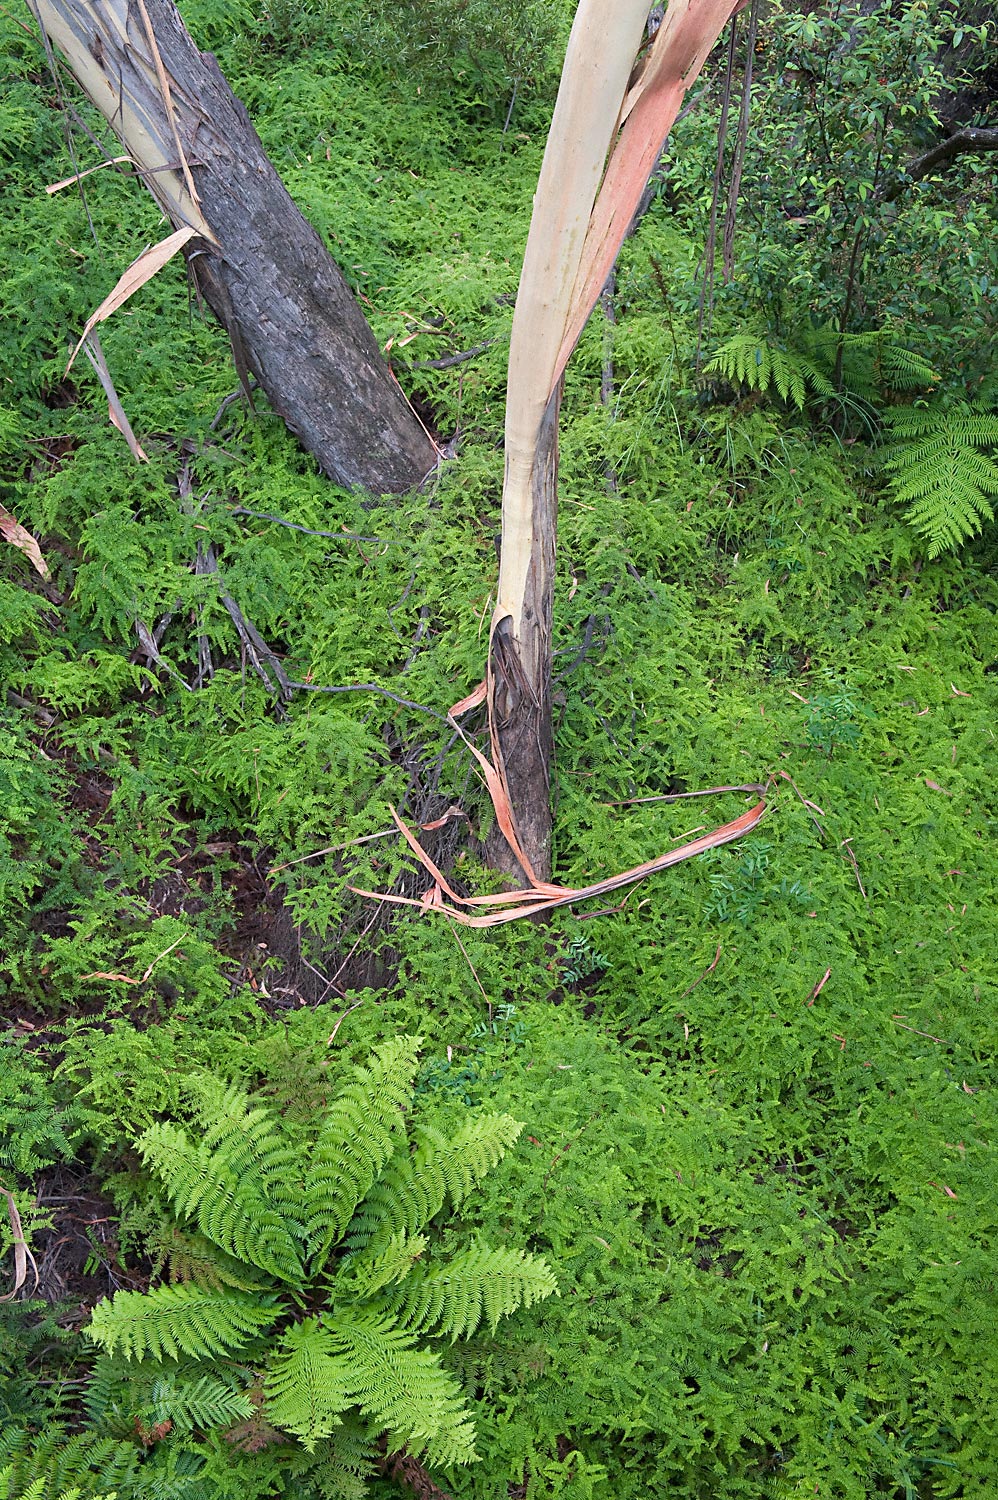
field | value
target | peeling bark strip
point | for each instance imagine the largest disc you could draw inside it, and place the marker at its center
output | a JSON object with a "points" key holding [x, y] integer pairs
{"points": [[261, 266], [523, 738]]}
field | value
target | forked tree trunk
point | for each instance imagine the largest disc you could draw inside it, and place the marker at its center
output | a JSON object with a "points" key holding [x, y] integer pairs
{"points": [[262, 268]]}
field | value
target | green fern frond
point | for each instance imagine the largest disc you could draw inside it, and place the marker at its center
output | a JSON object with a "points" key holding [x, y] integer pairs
{"points": [[454, 1296], [900, 369], [230, 1209], [345, 1461], [51, 1465], [372, 1269], [199, 1404], [477, 1147], [404, 1389], [760, 364], [192, 1257], [122, 1392], [872, 365], [171, 1321], [246, 1139], [308, 1383], [936, 468], [37, 1490], [412, 1190], [358, 1135]]}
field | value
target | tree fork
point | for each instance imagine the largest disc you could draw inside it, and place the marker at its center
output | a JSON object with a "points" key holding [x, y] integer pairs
{"points": [[261, 266]]}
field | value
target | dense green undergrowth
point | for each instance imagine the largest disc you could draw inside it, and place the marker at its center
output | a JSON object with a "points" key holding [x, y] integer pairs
{"points": [[757, 1098]]}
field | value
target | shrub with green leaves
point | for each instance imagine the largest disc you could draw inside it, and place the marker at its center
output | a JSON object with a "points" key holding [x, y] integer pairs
{"points": [[305, 1253]]}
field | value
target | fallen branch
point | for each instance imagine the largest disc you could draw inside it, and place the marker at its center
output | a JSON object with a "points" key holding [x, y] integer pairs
{"points": [[974, 139]]}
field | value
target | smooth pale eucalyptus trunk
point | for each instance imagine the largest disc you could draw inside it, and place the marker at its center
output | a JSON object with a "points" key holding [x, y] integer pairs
{"points": [[610, 119], [262, 268], [521, 669]]}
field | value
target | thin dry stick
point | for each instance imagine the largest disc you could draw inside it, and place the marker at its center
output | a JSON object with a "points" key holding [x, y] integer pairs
{"points": [[812, 807], [738, 157], [471, 966], [708, 970], [847, 846], [710, 791], [386, 833], [339, 1023], [353, 950], [916, 1032], [707, 284], [819, 987]]}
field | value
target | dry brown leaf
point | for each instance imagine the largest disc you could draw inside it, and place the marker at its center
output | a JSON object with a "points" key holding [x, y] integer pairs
{"points": [[12, 531], [22, 1255], [142, 269]]}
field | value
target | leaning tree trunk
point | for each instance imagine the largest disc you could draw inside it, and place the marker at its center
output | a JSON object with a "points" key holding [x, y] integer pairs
{"points": [[262, 268]]}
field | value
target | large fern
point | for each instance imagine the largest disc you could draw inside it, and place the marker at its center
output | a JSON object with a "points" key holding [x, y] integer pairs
{"points": [[346, 1200], [938, 466], [818, 364]]}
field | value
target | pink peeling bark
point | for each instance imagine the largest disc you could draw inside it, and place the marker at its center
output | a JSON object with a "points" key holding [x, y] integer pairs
{"points": [[681, 47]]}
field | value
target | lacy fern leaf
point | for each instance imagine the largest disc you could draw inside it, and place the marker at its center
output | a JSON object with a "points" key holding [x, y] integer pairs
{"points": [[359, 1133], [53, 1465], [936, 467], [404, 1388], [413, 1189], [308, 1383], [171, 1321], [761, 364], [230, 1208], [243, 1137], [455, 1295]]}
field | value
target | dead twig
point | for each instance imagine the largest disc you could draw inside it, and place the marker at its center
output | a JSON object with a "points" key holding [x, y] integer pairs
{"points": [[710, 791], [819, 987], [708, 970]]}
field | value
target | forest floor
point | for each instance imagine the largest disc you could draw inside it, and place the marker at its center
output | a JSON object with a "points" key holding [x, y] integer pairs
{"points": [[757, 1090]]}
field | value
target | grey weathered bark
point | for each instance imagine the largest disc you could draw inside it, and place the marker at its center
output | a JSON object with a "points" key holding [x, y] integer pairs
{"points": [[261, 266]]}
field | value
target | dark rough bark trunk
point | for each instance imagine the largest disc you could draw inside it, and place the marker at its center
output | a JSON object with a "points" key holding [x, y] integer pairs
{"points": [[521, 667], [268, 278]]}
